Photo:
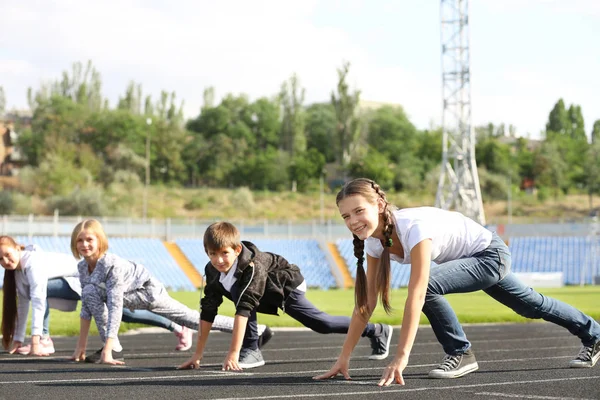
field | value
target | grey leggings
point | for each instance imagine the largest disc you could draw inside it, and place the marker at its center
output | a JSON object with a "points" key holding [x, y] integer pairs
{"points": [[153, 297]]}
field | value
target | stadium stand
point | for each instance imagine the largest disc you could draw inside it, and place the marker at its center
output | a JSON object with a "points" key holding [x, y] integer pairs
{"points": [[570, 255], [149, 252], [566, 254], [400, 272], [305, 253]]}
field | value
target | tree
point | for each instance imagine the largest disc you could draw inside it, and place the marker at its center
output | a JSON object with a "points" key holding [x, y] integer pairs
{"points": [[305, 167], [592, 170], [549, 167], [391, 133], [373, 165], [494, 156], [291, 96], [558, 120], [576, 129], [264, 122], [596, 131], [345, 104], [132, 101], [321, 129]]}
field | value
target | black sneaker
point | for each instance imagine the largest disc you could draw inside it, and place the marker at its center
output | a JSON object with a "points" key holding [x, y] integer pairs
{"points": [[250, 358], [588, 356], [380, 344], [455, 366], [95, 358], [265, 337]]}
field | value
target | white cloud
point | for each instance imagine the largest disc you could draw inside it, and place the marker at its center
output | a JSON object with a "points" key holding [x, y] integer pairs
{"points": [[253, 46]]}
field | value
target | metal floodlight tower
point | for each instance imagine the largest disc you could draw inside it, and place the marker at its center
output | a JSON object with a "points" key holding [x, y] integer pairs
{"points": [[458, 187]]}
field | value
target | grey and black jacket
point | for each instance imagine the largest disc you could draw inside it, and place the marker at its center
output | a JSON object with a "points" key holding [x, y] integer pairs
{"points": [[264, 280]]}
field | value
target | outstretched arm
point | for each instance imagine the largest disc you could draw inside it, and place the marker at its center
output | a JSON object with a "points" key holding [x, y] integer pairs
{"points": [[357, 326], [239, 328], [417, 288], [84, 329], [194, 360]]}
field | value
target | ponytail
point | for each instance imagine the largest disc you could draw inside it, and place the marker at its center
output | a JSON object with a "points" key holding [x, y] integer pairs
{"points": [[360, 290], [385, 269], [9, 308]]}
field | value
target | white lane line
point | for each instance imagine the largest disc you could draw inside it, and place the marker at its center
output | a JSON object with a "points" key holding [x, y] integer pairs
{"points": [[379, 390], [244, 373], [528, 396], [271, 373]]}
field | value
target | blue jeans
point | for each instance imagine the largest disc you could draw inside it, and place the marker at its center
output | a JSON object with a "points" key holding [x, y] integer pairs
{"points": [[489, 270], [59, 288]]}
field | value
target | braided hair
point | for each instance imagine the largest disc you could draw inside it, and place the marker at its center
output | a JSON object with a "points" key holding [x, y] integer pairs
{"points": [[372, 192], [9, 295]]}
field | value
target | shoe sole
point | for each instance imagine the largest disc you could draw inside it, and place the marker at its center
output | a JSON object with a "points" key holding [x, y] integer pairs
{"points": [[446, 375], [265, 337], [253, 365], [579, 364], [384, 356]]}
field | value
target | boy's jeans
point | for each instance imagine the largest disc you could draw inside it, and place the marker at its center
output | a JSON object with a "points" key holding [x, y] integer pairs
{"points": [[489, 270]]}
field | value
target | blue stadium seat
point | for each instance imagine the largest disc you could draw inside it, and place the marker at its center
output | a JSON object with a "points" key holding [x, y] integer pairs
{"points": [[149, 252], [400, 272], [567, 254], [305, 253]]}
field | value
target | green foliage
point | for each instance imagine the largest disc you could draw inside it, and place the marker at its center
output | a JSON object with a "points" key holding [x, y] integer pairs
{"points": [[291, 96], [7, 203], [345, 104], [543, 194], [494, 156], [243, 198], [258, 171], [596, 131], [54, 176], [549, 167], [391, 133], [87, 203], [493, 186], [320, 129], [196, 203], [305, 167], [373, 165], [76, 142]]}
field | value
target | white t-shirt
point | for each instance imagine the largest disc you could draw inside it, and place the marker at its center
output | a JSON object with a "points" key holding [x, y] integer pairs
{"points": [[37, 266], [452, 234]]}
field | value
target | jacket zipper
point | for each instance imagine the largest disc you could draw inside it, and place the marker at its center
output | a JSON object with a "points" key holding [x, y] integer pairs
{"points": [[202, 292], [241, 294]]}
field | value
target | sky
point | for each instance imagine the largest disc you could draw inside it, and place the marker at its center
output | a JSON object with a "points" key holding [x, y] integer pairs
{"points": [[524, 54]]}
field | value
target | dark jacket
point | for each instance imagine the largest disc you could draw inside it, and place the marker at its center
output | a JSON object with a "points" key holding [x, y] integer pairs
{"points": [[264, 281]]}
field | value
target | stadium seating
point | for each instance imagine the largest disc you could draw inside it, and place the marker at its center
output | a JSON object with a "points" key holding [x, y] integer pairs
{"points": [[567, 254], [400, 272], [305, 253], [149, 252], [570, 255]]}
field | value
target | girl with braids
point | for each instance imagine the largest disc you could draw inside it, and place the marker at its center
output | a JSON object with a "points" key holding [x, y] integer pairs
{"points": [[264, 282], [468, 257]]}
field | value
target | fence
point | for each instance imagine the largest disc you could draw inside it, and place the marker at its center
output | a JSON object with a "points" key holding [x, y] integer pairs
{"points": [[172, 228]]}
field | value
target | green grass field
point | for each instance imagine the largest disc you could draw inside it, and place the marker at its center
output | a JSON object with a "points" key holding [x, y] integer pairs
{"points": [[470, 307]]}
